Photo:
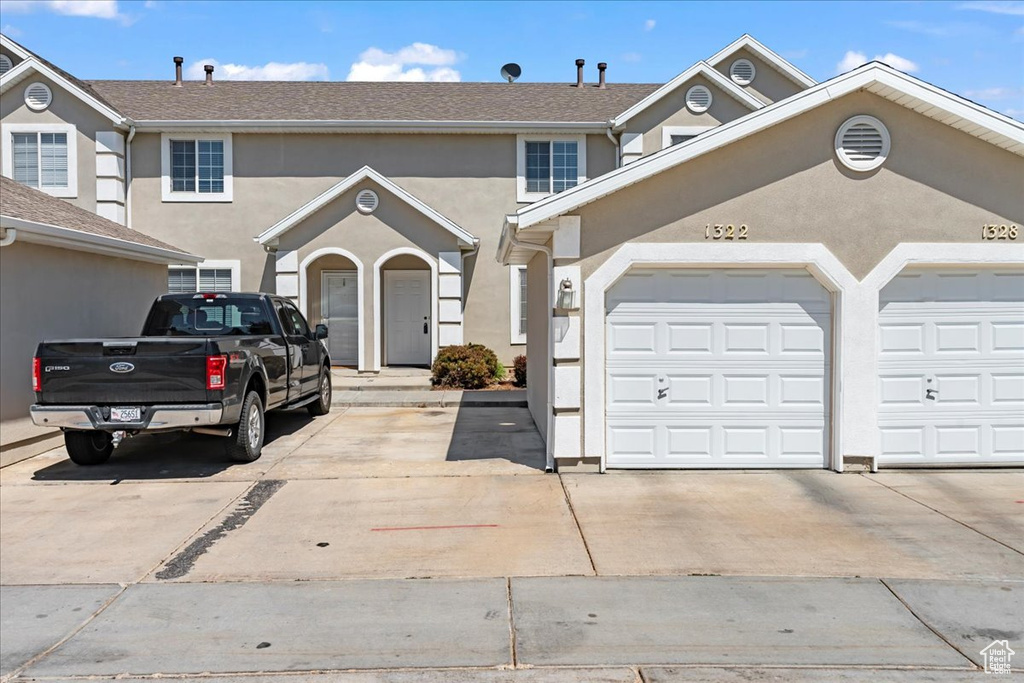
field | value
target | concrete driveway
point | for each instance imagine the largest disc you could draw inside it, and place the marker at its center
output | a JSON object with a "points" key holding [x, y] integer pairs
{"points": [[580, 569]]}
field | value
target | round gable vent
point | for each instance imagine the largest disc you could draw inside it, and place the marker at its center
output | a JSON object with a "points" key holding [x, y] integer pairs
{"points": [[742, 72], [5, 64], [698, 99], [38, 96], [367, 201], [862, 143]]}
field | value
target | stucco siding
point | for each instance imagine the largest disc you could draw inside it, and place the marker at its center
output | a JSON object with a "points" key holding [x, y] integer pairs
{"points": [[468, 178], [52, 293], [768, 85], [65, 108], [538, 360], [785, 184]]}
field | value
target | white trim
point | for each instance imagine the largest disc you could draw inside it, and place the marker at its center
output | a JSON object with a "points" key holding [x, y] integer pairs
{"points": [[668, 131], [360, 297], [378, 323], [321, 200], [49, 96], [818, 260], [514, 304], [59, 236], [858, 165], [9, 129], [166, 195], [747, 41], [581, 163], [862, 403], [740, 81], [12, 46], [699, 69], [32, 64], [374, 126], [991, 126]]}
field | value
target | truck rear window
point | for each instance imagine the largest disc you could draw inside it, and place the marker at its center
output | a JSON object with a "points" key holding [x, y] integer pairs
{"points": [[207, 318]]}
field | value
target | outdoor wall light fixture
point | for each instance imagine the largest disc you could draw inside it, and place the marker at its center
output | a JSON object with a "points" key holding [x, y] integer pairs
{"points": [[566, 296]]}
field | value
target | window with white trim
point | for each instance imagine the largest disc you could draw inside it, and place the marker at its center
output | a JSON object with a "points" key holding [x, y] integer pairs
{"points": [[547, 166], [674, 135], [209, 276], [196, 168], [43, 156], [517, 304]]}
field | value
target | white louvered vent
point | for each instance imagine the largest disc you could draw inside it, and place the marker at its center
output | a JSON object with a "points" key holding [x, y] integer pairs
{"points": [[38, 96], [862, 143], [742, 71], [698, 98], [366, 201], [5, 64]]}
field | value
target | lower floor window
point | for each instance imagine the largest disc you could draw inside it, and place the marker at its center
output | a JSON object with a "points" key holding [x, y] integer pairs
{"points": [[517, 304]]}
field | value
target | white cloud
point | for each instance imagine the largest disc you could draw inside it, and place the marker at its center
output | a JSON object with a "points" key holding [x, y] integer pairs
{"points": [[851, 60], [271, 71], [995, 93], [650, 24], [99, 9], [377, 65], [995, 7], [11, 31]]}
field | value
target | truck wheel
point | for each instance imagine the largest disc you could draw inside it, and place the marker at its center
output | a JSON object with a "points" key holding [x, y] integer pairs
{"points": [[88, 448], [322, 404], [247, 443]]}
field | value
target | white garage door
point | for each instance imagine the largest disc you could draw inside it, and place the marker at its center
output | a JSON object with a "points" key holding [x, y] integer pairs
{"points": [[722, 368], [951, 368]]}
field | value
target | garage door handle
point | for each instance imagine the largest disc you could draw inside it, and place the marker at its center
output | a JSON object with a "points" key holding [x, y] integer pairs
{"points": [[930, 394], [662, 393]]}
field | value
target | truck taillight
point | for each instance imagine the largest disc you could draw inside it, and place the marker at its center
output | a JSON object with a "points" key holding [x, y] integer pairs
{"points": [[37, 375], [215, 367]]}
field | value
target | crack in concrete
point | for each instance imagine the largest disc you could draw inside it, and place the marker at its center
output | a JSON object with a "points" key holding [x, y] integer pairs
{"points": [[928, 626], [182, 563], [511, 622], [576, 521]]}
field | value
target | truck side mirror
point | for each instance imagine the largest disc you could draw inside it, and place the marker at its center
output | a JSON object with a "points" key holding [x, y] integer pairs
{"points": [[321, 332]]}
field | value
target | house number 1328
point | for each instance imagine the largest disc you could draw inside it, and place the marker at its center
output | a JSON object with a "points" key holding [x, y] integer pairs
{"points": [[724, 232], [999, 232]]}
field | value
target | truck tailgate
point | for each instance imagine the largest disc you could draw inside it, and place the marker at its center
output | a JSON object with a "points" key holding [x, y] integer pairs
{"points": [[123, 371]]}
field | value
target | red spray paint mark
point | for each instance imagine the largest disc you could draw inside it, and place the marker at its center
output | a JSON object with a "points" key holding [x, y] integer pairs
{"points": [[431, 528]]}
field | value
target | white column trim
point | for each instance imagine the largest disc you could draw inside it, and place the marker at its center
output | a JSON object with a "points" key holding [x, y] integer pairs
{"points": [[360, 313], [818, 260], [377, 323]]}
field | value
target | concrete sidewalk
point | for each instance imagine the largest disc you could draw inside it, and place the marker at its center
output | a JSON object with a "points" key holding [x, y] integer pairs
{"points": [[662, 626]]}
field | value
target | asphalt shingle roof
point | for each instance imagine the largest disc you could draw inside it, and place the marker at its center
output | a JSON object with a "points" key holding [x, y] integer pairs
{"points": [[29, 204], [366, 101]]}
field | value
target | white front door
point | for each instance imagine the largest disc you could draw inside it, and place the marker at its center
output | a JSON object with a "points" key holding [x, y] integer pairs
{"points": [[951, 367], [717, 369], [339, 308], [407, 317]]}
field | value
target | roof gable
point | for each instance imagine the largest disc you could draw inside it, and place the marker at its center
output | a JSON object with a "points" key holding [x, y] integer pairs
{"points": [[751, 44], [322, 200], [699, 69], [34, 65], [874, 77]]}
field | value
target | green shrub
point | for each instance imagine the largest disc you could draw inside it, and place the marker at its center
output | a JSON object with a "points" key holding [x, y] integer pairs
{"points": [[500, 374], [519, 371], [464, 367]]}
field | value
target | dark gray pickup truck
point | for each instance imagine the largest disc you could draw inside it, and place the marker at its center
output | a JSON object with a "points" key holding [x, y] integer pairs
{"points": [[210, 363]]}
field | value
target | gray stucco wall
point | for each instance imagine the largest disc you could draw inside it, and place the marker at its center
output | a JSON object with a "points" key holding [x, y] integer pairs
{"points": [[468, 178], [52, 293], [65, 108], [537, 353], [768, 85]]}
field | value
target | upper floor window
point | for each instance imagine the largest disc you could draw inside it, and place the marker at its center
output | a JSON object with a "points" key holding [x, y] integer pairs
{"points": [[209, 276], [42, 156], [196, 168], [549, 166]]}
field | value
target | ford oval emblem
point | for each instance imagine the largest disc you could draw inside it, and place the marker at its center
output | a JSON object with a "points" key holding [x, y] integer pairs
{"points": [[122, 368]]}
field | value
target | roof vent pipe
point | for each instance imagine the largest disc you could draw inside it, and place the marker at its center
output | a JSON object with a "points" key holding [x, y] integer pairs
{"points": [[208, 68], [579, 73], [178, 61], [601, 66]]}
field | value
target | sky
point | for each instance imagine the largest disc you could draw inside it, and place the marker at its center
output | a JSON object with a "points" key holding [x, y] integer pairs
{"points": [[974, 48]]}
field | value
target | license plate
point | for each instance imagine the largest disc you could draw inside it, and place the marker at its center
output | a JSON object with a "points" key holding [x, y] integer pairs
{"points": [[125, 414]]}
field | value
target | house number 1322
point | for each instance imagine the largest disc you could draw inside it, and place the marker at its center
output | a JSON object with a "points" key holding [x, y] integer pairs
{"points": [[724, 232]]}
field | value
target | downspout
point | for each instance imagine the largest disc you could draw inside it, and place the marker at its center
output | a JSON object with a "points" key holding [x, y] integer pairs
{"points": [[618, 150], [128, 176], [550, 461], [10, 234]]}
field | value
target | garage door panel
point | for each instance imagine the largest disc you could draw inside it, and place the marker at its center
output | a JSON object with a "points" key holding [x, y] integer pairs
{"points": [[634, 338], [969, 334], [739, 361]]}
